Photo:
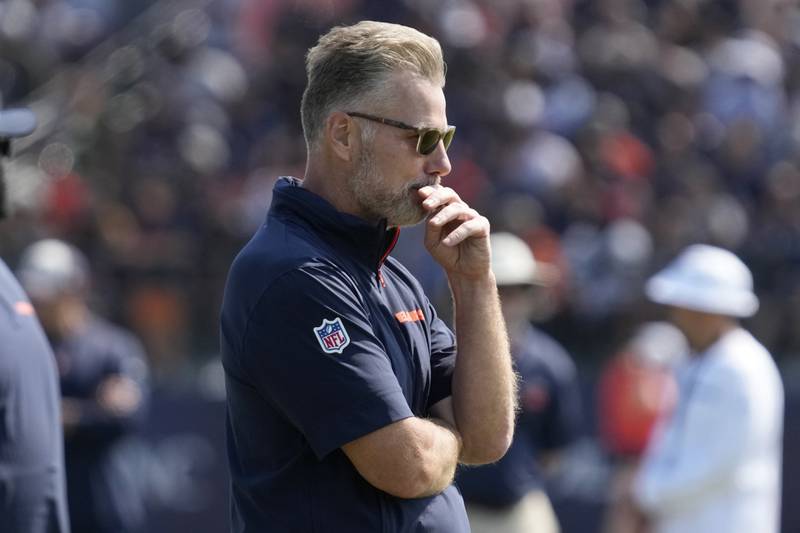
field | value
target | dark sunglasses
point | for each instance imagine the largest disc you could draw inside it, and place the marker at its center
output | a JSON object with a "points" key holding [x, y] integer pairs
{"points": [[427, 138]]}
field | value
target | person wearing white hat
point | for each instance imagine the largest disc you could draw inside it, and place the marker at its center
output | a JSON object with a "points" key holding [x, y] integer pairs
{"points": [[714, 464], [104, 389], [32, 479], [509, 496]]}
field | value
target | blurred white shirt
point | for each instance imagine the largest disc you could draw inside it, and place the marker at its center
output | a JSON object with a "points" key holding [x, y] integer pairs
{"points": [[715, 463]]}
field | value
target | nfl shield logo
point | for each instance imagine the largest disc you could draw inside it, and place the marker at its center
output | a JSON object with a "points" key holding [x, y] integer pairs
{"points": [[332, 336]]}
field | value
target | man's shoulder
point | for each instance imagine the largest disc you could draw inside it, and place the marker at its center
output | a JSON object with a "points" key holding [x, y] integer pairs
{"points": [[283, 263], [17, 315], [277, 248], [25, 351], [740, 358], [9, 286]]}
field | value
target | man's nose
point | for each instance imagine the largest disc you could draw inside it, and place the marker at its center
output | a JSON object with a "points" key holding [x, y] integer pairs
{"points": [[437, 162]]}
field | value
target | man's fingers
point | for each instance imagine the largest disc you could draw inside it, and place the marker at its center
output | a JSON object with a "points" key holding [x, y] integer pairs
{"points": [[451, 221], [434, 197], [474, 227], [456, 211], [450, 214]]}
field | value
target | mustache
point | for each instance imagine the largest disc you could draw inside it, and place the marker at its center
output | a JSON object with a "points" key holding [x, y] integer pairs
{"points": [[432, 181]]}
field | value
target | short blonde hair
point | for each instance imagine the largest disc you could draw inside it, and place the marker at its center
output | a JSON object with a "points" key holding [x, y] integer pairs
{"points": [[350, 62]]}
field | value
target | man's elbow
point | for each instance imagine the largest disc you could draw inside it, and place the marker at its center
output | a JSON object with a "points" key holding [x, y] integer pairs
{"points": [[413, 459], [501, 445], [487, 448], [418, 481]]}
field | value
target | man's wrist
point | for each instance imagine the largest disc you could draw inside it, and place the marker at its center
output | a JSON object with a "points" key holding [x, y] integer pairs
{"points": [[465, 285], [467, 288]]}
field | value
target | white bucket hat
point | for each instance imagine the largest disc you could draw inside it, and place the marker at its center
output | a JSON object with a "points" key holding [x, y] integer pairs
{"points": [[705, 278]]}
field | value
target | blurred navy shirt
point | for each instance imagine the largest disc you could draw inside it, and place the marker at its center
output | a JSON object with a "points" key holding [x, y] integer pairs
{"points": [[105, 493], [32, 492], [324, 340], [549, 419]]}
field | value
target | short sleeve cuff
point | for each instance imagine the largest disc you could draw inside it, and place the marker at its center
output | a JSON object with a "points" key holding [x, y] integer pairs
{"points": [[337, 429]]}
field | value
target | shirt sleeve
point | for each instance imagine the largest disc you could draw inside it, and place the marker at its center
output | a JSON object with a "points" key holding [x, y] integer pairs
{"points": [[696, 450], [310, 349], [443, 358]]}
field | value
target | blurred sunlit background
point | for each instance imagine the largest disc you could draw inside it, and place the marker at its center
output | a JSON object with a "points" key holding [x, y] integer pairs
{"points": [[608, 134]]}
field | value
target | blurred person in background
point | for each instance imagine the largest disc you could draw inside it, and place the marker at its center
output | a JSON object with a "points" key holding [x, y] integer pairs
{"points": [[715, 463], [348, 409], [509, 496], [32, 487], [103, 385], [637, 388]]}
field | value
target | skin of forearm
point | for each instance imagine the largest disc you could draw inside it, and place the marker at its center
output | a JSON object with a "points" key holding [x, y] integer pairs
{"points": [[443, 452], [484, 383]]}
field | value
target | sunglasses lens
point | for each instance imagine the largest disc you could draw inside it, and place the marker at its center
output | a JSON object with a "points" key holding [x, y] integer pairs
{"points": [[448, 137], [428, 142]]}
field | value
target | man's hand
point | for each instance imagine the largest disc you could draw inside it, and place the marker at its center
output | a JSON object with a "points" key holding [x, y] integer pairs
{"points": [[456, 235], [119, 395], [484, 384]]}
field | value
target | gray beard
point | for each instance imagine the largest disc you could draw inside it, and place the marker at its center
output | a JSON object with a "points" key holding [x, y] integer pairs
{"points": [[367, 186]]}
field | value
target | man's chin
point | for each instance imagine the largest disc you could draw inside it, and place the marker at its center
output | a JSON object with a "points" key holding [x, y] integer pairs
{"points": [[409, 223], [407, 219]]}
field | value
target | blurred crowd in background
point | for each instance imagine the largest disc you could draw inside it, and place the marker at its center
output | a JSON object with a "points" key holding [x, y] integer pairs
{"points": [[608, 134]]}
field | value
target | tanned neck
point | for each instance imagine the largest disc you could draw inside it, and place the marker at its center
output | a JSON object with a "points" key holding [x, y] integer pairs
{"points": [[327, 181]]}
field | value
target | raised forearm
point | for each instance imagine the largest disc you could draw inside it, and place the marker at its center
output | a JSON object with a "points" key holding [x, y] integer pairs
{"points": [[483, 386], [484, 383]]}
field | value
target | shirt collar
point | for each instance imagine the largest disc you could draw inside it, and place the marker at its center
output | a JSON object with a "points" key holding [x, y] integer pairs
{"points": [[369, 243]]}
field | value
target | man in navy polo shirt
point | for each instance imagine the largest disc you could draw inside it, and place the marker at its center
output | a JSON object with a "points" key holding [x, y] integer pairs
{"points": [[349, 405], [32, 486]]}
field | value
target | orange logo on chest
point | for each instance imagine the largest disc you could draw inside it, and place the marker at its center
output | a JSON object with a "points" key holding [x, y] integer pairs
{"points": [[415, 315]]}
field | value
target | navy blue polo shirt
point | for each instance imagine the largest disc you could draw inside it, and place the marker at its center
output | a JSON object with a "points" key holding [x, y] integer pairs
{"points": [[32, 491], [549, 419], [326, 339]]}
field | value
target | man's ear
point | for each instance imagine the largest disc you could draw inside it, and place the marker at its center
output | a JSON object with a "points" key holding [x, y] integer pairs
{"points": [[341, 134]]}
